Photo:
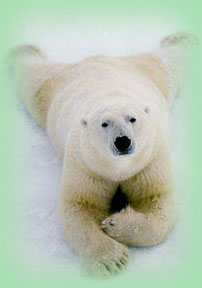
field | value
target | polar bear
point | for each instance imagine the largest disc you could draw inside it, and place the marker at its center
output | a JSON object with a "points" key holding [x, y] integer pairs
{"points": [[108, 120]]}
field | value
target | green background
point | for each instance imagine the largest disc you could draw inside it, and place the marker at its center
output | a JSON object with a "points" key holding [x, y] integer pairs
{"points": [[15, 273]]}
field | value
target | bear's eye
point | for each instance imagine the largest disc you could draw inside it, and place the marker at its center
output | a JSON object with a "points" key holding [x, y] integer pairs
{"points": [[132, 120], [146, 110], [104, 125]]}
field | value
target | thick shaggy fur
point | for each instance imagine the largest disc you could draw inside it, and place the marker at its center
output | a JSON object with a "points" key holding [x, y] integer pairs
{"points": [[71, 102]]}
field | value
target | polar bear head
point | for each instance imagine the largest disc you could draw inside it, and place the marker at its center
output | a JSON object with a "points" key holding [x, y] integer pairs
{"points": [[122, 131], [118, 136]]}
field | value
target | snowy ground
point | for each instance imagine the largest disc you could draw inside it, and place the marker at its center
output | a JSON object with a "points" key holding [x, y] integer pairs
{"points": [[71, 41]]}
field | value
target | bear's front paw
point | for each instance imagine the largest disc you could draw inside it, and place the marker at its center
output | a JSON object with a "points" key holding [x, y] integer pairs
{"points": [[111, 262], [115, 226], [123, 226], [111, 225]]}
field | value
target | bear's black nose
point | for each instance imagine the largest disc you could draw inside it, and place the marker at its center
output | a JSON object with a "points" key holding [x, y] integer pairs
{"points": [[122, 144]]}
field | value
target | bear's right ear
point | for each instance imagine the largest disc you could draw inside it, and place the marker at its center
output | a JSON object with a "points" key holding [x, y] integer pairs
{"points": [[84, 122], [167, 65]]}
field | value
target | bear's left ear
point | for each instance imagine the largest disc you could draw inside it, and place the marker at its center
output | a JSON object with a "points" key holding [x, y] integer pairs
{"points": [[167, 65]]}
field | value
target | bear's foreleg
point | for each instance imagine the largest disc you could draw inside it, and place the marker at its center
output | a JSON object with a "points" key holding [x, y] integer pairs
{"points": [[81, 212], [151, 213], [149, 227]]}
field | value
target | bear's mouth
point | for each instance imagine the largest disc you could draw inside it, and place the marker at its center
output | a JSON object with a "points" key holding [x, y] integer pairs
{"points": [[122, 145]]}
